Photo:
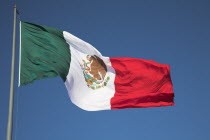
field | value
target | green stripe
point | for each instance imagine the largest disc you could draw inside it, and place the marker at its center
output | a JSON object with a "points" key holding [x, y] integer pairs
{"points": [[44, 53]]}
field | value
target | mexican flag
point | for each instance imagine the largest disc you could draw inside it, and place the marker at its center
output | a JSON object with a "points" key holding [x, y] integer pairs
{"points": [[94, 82]]}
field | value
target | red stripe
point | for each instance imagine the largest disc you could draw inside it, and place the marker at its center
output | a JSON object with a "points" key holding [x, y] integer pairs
{"points": [[141, 83]]}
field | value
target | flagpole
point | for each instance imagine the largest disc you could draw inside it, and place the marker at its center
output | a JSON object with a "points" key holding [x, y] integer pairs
{"points": [[11, 98]]}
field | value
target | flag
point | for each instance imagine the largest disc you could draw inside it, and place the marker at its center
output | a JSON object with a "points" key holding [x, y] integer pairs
{"points": [[94, 82]]}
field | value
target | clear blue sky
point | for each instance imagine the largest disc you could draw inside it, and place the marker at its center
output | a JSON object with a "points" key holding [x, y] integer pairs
{"points": [[174, 32]]}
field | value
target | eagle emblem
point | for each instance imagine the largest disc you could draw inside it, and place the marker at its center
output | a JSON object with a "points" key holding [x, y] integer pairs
{"points": [[94, 70]]}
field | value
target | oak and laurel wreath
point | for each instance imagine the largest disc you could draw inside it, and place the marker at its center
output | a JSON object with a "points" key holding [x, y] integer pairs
{"points": [[100, 86]]}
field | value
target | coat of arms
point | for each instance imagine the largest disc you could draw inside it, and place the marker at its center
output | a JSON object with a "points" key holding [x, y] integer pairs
{"points": [[94, 70]]}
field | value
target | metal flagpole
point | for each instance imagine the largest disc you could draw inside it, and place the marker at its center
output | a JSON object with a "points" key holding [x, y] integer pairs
{"points": [[11, 98]]}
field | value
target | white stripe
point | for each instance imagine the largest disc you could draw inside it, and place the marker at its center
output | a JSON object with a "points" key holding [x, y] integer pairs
{"points": [[80, 94], [19, 57]]}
